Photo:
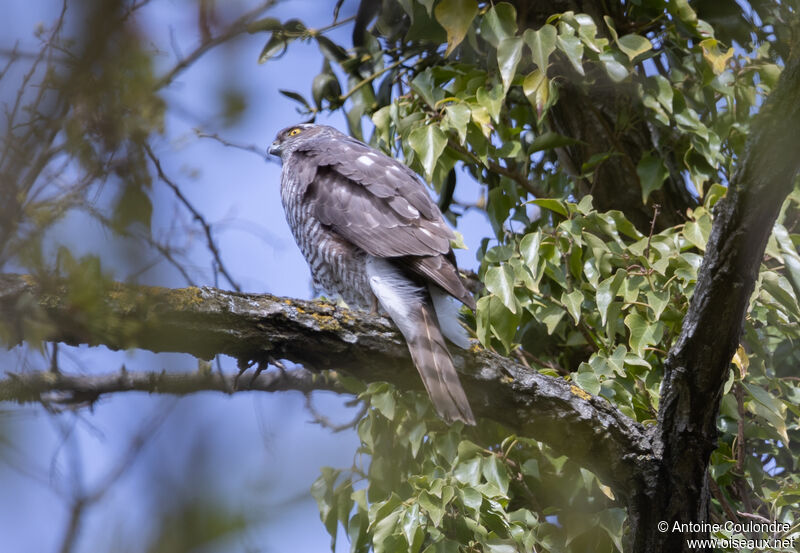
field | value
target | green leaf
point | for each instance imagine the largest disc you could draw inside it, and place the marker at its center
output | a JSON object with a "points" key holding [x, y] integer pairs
{"points": [[499, 22], [469, 472], [423, 85], [790, 256], [508, 55], [658, 301], [456, 17], [652, 174], [265, 24], [550, 140], [588, 381], [780, 289], [537, 89], [692, 233], [529, 248], [551, 315], [773, 405], [383, 530], [556, 206], [615, 69], [607, 291], [572, 302], [429, 143], [433, 507], [491, 99], [296, 96], [531, 468], [542, 43], [641, 332], [325, 86], [274, 48], [573, 48], [495, 473], [385, 403], [500, 282], [634, 45], [683, 10], [456, 116]]}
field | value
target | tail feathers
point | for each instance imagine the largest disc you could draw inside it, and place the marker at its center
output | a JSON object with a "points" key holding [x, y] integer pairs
{"points": [[435, 366], [411, 309], [447, 313]]}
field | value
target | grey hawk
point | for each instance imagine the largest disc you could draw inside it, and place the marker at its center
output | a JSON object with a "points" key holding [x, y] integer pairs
{"points": [[371, 233]]}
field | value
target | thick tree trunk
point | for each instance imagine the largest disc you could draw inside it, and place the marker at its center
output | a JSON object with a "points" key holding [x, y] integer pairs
{"points": [[698, 363]]}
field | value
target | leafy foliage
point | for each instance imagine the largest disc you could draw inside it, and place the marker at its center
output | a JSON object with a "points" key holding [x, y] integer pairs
{"points": [[592, 293]]}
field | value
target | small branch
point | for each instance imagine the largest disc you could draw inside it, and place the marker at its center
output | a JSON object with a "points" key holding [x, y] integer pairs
{"points": [[238, 27], [260, 152], [66, 389], [212, 246]]}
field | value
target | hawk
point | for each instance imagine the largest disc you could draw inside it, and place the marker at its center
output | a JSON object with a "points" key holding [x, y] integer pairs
{"points": [[371, 234]]}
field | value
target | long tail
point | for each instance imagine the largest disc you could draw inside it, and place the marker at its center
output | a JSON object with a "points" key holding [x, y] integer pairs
{"points": [[435, 366], [411, 309]]}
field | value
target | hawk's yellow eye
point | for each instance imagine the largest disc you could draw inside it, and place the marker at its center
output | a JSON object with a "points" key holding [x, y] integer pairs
{"points": [[295, 131]]}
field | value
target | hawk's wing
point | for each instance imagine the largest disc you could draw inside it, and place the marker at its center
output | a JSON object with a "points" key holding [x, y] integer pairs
{"points": [[378, 204]]}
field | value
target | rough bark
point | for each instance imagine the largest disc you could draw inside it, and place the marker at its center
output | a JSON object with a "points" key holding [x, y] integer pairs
{"points": [[698, 363], [205, 322]]}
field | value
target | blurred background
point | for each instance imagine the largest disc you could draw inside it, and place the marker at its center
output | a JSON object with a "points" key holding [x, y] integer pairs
{"points": [[135, 472]]}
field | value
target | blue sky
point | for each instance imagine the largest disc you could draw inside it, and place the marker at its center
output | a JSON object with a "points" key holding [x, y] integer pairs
{"points": [[255, 453]]}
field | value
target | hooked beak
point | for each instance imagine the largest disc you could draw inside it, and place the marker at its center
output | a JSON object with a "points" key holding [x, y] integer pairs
{"points": [[275, 148]]}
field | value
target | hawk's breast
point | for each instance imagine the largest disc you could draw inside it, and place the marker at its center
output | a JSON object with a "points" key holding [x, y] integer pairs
{"points": [[337, 266]]}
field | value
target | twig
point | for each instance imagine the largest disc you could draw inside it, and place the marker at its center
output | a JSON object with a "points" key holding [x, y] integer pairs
{"points": [[325, 422], [238, 27], [260, 152], [212, 246], [83, 501]]}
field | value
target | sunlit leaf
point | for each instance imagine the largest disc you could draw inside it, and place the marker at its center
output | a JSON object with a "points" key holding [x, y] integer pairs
{"points": [[456, 17], [542, 43], [429, 143]]}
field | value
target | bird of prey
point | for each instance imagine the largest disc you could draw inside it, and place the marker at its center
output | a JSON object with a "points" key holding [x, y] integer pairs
{"points": [[371, 234]]}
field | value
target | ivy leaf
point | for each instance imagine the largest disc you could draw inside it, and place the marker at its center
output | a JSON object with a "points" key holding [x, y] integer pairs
{"points": [[573, 48], [652, 174], [556, 206], [455, 16], [491, 99], [456, 116], [495, 473], [572, 302], [642, 332], [508, 55], [500, 282], [607, 291], [615, 69], [634, 45], [537, 90], [550, 140], [542, 43], [715, 58], [588, 381], [429, 143], [499, 22], [529, 248]]}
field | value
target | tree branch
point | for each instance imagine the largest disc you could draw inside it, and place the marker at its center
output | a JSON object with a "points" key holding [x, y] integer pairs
{"points": [[206, 322]]}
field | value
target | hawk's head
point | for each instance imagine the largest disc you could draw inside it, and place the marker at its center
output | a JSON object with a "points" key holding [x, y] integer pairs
{"points": [[289, 138]]}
